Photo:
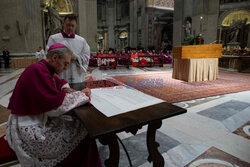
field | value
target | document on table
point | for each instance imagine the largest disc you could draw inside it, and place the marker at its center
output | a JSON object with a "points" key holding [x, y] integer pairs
{"points": [[120, 99]]}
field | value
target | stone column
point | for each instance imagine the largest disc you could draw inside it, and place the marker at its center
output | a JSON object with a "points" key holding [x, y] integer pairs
{"points": [[88, 22], [133, 23], [110, 17], [105, 40], [177, 23]]}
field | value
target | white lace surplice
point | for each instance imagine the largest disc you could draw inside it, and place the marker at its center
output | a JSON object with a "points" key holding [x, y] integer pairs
{"points": [[46, 139]]}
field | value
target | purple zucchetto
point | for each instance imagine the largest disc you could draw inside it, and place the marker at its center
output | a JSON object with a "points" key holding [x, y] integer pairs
{"points": [[57, 45]]}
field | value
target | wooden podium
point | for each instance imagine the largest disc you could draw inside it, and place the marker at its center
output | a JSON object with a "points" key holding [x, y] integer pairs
{"points": [[196, 62]]}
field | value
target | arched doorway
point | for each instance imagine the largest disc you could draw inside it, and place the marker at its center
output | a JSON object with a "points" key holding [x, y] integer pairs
{"points": [[123, 39], [99, 40]]}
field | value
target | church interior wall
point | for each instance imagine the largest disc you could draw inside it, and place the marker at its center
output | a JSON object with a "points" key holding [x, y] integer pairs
{"points": [[110, 21], [205, 20], [139, 23], [88, 25], [144, 25], [178, 23], [21, 25], [22, 22], [133, 23], [240, 4], [204, 15], [115, 21], [141, 29], [150, 27], [187, 10], [161, 20], [210, 28], [34, 32], [155, 27], [210, 19], [212, 12]]}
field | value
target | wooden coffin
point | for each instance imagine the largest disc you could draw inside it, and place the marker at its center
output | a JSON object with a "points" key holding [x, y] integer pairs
{"points": [[198, 51]]}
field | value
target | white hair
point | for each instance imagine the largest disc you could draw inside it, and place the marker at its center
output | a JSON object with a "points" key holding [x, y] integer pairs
{"points": [[61, 52]]}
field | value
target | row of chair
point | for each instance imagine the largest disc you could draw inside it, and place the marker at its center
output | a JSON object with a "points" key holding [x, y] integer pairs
{"points": [[125, 60]]}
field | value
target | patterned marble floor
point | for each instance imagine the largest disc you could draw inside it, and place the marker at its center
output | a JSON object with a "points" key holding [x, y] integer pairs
{"points": [[213, 133]]}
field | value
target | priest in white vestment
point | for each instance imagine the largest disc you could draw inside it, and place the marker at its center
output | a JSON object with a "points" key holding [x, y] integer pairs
{"points": [[76, 72]]}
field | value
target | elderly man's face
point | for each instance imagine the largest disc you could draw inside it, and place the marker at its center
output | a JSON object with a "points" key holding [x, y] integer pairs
{"points": [[69, 26], [61, 64]]}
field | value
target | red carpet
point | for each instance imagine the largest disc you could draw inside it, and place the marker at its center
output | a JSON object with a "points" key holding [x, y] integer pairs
{"points": [[162, 85]]}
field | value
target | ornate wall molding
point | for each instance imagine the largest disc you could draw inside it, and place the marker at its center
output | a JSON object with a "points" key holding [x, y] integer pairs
{"points": [[62, 6], [227, 17], [160, 3]]}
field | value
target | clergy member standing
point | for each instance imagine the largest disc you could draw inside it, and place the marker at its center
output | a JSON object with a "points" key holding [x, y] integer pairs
{"points": [[77, 70], [41, 130]]}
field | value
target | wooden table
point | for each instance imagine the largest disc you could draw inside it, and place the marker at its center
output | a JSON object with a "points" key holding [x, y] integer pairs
{"points": [[105, 128]]}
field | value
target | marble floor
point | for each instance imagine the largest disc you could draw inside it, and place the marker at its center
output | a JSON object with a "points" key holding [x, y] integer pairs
{"points": [[214, 132]]}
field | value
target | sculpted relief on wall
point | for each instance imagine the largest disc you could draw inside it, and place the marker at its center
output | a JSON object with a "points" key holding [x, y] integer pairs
{"points": [[53, 9], [236, 16], [235, 28], [62, 6], [160, 3]]}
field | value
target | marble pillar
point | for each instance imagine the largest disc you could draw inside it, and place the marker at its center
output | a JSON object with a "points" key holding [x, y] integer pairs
{"points": [[178, 33], [133, 23], [110, 21], [88, 22]]}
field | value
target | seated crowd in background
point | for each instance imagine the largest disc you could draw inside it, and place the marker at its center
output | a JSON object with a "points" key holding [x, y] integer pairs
{"points": [[135, 57], [109, 59]]}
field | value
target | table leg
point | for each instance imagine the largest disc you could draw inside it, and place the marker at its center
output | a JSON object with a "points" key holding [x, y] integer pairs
{"points": [[154, 154], [114, 152]]}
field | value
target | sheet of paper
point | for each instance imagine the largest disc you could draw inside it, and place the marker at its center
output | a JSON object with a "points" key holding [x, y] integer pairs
{"points": [[118, 100]]}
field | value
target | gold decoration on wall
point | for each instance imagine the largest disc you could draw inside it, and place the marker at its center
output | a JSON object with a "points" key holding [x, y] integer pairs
{"points": [[99, 36], [62, 6], [240, 15], [123, 35]]}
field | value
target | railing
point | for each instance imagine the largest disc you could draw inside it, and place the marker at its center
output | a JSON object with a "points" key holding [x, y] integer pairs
{"points": [[14, 56]]}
